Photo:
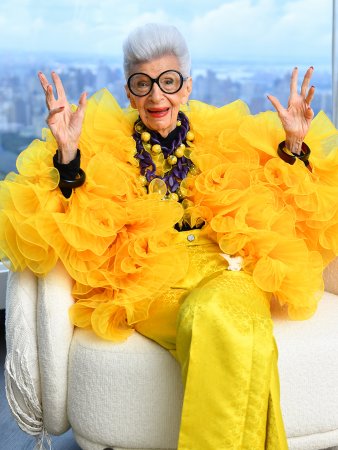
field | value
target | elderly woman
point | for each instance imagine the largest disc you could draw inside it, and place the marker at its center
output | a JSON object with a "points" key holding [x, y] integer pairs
{"points": [[182, 221]]}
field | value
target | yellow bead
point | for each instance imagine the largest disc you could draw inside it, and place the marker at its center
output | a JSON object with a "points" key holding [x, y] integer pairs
{"points": [[178, 123], [147, 147], [194, 170], [166, 166], [139, 127], [190, 136], [172, 160], [157, 186], [179, 193], [187, 203], [145, 136], [173, 196], [179, 152], [156, 148], [143, 180]]}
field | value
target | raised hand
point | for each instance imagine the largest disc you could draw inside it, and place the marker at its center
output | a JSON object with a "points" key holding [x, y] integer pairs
{"points": [[65, 124], [296, 119]]}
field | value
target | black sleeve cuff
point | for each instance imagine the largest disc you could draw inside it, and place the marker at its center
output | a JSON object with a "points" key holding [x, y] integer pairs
{"points": [[290, 158], [67, 171]]}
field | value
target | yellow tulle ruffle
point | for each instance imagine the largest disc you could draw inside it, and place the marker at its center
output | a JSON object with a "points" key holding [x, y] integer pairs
{"points": [[118, 243], [281, 218]]}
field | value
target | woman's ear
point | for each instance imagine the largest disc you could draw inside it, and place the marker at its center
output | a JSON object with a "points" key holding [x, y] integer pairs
{"points": [[130, 97], [186, 90]]}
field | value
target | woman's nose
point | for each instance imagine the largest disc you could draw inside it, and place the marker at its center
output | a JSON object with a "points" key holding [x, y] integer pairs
{"points": [[156, 93]]}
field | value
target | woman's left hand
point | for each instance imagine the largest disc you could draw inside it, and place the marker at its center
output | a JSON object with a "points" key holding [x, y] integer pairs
{"points": [[296, 119]]}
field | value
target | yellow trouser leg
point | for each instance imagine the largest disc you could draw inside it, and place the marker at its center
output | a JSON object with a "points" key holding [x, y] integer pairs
{"points": [[226, 350], [275, 434], [222, 336]]}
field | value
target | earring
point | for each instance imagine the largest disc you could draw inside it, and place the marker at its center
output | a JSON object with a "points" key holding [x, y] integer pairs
{"points": [[185, 107]]}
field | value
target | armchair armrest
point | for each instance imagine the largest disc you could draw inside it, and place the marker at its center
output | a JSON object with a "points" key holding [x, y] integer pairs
{"points": [[22, 377], [54, 336], [38, 336]]}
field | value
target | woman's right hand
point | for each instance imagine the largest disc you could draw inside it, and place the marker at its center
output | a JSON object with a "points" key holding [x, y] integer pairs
{"points": [[64, 124]]}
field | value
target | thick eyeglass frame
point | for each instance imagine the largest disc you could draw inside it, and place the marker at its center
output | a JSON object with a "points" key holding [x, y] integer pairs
{"points": [[156, 80]]}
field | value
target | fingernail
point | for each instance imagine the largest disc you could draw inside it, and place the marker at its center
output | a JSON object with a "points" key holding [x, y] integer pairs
{"points": [[312, 67]]}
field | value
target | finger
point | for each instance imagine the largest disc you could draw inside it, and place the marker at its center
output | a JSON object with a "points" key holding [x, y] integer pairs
{"points": [[83, 99], [309, 113], [294, 81], [43, 81], [52, 113], [306, 81], [58, 85], [310, 95], [276, 104], [82, 103], [82, 106], [50, 97]]}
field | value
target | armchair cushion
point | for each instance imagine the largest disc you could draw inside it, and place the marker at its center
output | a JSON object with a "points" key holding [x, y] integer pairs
{"points": [[133, 385], [125, 395], [308, 367]]}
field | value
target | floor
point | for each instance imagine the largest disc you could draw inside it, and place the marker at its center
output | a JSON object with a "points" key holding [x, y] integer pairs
{"points": [[11, 436]]}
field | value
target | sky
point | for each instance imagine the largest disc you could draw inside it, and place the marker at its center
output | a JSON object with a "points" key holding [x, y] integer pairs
{"points": [[276, 30]]}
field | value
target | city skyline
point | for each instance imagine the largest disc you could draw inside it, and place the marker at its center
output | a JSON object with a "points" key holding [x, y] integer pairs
{"points": [[294, 31], [23, 109]]}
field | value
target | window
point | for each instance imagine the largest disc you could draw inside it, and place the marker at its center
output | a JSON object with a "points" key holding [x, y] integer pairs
{"points": [[335, 62], [240, 49]]}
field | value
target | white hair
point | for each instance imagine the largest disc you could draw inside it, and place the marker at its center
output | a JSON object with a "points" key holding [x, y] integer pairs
{"points": [[152, 41]]}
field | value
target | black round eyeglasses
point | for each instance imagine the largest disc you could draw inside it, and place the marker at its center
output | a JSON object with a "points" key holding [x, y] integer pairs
{"points": [[169, 81]]}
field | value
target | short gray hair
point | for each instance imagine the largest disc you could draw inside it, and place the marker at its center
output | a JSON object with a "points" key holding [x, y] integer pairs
{"points": [[152, 41]]}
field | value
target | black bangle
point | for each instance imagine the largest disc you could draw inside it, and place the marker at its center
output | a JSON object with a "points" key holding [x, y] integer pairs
{"points": [[290, 158], [71, 184]]}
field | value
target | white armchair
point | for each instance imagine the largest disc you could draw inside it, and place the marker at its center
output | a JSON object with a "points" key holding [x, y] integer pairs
{"points": [[128, 395]]}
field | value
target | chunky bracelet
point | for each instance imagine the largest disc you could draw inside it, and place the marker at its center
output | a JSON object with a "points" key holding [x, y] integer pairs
{"points": [[290, 158], [71, 184]]}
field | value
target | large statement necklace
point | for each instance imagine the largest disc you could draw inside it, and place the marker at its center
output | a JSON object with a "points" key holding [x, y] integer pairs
{"points": [[164, 166]]}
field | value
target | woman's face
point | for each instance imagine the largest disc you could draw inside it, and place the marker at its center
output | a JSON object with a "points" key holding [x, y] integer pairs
{"points": [[157, 109]]}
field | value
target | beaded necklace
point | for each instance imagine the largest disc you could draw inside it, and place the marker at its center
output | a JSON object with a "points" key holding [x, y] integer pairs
{"points": [[162, 167]]}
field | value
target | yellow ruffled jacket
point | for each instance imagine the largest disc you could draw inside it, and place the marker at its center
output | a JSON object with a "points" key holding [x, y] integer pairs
{"points": [[118, 243]]}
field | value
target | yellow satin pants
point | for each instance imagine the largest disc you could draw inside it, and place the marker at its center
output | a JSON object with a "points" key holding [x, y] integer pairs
{"points": [[217, 324]]}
